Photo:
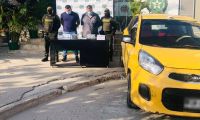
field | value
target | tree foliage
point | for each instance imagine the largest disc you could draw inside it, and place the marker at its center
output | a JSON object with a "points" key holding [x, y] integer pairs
{"points": [[136, 6], [16, 17]]}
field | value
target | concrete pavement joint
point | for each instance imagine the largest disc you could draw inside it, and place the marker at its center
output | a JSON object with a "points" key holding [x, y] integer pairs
{"points": [[92, 82], [20, 105], [83, 75], [54, 80], [63, 78], [32, 89]]}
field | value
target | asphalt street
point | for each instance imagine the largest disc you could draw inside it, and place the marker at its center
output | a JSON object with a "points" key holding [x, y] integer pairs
{"points": [[106, 101]]}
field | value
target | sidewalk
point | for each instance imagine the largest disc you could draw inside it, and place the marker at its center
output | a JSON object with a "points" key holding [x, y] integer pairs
{"points": [[23, 76]]}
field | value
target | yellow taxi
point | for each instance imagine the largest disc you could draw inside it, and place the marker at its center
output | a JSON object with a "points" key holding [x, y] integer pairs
{"points": [[161, 57]]}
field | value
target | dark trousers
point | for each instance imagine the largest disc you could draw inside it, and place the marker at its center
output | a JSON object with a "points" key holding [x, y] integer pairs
{"points": [[48, 37], [109, 36]]}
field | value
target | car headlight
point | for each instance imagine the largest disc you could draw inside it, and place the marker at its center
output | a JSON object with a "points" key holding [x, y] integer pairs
{"points": [[149, 63]]}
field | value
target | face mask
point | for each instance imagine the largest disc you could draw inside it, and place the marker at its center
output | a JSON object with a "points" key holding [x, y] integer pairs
{"points": [[89, 13], [69, 12]]}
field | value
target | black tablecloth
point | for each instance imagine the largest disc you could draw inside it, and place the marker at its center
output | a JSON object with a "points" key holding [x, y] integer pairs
{"points": [[92, 52]]}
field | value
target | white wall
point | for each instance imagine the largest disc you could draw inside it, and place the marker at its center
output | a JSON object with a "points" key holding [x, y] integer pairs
{"points": [[197, 10], [79, 6], [187, 8], [173, 7]]}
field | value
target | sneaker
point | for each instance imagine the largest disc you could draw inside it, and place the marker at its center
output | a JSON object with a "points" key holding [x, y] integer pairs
{"points": [[45, 59]]}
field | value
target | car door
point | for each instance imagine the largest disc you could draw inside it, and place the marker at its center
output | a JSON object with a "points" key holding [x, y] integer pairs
{"points": [[130, 46], [124, 44]]}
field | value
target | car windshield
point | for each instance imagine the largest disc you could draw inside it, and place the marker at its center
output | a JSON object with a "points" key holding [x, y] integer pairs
{"points": [[170, 33]]}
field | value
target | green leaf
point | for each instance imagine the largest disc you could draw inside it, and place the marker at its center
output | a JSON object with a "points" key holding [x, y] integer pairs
{"points": [[136, 6], [23, 10], [1, 16]]}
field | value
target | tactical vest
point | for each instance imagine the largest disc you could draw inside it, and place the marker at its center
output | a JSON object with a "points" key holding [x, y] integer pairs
{"points": [[106, 24], [48, 23]]}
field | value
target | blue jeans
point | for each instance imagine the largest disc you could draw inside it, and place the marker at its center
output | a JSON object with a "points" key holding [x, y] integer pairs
{"points": [[65, 51]]}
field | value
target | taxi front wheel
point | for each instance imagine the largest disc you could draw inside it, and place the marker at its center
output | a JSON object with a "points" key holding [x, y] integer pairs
{"points": [[130, 104]]}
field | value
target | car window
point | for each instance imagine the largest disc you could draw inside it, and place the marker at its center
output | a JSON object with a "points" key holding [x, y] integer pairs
{"points": [[132, 23], [133, 32], [196, 31], [170, 33]]}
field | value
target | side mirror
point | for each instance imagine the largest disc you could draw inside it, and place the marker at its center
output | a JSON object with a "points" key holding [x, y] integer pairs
{"points": [[126, 39]]}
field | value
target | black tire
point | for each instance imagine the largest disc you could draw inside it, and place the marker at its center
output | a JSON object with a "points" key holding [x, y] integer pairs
{"points": [[130, 103]]}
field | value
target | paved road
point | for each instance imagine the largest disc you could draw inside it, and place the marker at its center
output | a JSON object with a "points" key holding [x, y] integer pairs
{"points": [[106, 101]]}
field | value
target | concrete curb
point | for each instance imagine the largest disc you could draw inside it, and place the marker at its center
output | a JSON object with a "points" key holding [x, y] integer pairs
{"points": [[101, 79], [15, 108], [12, 109]]}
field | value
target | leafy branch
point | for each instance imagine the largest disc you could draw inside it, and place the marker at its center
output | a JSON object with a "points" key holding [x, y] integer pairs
{"points": [[136, 6]]}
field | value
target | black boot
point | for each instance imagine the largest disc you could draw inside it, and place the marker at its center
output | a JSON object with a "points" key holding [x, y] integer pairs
{"points": [[77, 59], [45, 59], [64, 59]]}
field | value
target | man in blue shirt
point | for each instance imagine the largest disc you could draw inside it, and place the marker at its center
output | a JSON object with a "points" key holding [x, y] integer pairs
{"points": [[70, 21]]}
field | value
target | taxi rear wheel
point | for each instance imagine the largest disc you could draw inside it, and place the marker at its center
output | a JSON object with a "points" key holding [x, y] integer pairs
{"points": [[130, 103]]}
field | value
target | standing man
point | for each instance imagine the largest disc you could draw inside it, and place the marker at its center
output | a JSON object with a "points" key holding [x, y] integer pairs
{"points": [[70, 21], [109, 27], [51, 24], [90, 22]]}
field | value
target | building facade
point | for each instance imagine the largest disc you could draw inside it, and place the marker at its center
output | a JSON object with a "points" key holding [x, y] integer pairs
{"points": [[197, 10], [190, 8], [120, 9]]}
